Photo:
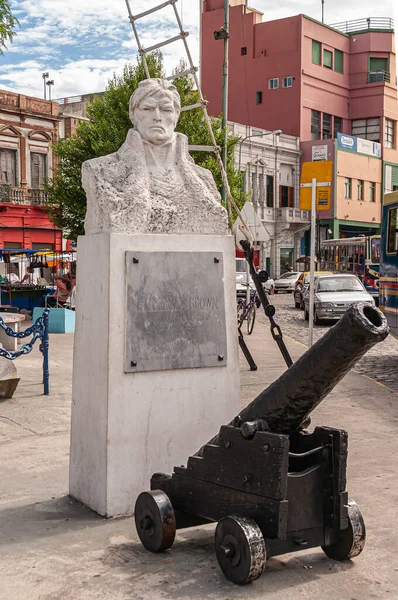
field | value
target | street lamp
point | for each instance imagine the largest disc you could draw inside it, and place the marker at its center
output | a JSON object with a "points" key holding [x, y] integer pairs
{"points": [[263, 134]]}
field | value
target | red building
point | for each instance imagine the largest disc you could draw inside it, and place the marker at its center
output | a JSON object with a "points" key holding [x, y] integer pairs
{"points": [[28, 128], [316, 82]]}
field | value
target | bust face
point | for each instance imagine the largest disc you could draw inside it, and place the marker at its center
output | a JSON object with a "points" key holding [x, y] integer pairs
{"points": [[155, 119]]}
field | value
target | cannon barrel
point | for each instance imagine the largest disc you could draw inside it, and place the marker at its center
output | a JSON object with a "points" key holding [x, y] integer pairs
{"points": [[287, 402]]}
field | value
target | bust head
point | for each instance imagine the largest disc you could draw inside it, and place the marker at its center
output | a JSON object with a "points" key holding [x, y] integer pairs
{"points": [[155, 109]]}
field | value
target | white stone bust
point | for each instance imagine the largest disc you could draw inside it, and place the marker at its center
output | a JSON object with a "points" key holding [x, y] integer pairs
{"points": [[151, 184]]}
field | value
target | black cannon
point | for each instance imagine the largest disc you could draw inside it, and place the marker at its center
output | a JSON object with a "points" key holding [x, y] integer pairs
{"points": [[272, 486]]}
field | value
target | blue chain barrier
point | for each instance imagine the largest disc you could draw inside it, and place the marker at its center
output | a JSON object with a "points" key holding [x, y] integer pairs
{"points": [[38, 331]]}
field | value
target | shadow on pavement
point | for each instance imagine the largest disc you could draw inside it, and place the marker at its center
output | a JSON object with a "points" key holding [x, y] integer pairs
{"points": [[27, 523]]}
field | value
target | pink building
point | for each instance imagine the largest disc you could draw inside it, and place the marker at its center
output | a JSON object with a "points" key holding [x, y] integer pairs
{"points": [[313, 81]]}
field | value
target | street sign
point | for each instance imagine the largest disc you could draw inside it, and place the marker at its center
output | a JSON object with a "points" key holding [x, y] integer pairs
{"points": [[322, 171], [254, 223]]}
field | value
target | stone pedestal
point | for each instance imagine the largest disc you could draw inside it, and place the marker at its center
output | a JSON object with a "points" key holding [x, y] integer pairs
{"points": [[128, 425]]}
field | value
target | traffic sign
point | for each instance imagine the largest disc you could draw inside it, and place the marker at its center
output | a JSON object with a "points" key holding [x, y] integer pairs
{"points": [[322, 171]]}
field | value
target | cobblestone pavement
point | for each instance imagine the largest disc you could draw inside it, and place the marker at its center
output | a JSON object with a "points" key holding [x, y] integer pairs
{"points": [[380, 363]]}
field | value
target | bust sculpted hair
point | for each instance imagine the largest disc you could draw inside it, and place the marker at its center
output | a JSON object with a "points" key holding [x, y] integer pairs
{"points": [[152, 87]]}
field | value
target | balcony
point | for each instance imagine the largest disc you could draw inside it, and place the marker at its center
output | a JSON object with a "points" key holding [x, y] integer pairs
{"points": [[362, 79], [20, 196], [378, 76], [291, 215], [381, 24]]}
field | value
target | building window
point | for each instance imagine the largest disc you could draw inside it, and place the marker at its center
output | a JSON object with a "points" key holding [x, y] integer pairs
{"points": [[377, 65], [347, 187], [368, 129], [360, 189], [273, 83], [38, 170], [338, 61], [326, 126], [270, 191], [389, 141], [337, 126], [392, 231], [287, 82], [243, 51], [328, 59], [372, 191], [315, 125], [286, 196], [316, 52], [259, 97], [8, 163]]}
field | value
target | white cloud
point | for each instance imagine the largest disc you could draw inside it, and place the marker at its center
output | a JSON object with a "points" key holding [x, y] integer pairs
{"points": [[83, 42]]}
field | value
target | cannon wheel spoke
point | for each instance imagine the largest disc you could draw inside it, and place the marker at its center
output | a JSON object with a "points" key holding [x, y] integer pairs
{"points": [[352, 540], [155, 520], [240, 549]]}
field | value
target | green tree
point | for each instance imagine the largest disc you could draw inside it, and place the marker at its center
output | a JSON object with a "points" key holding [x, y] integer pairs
{"points": [[106, 131], [8, 24]]}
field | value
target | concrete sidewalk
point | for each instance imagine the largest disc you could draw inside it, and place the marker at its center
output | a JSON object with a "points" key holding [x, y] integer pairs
{"points": [[53, 548]]}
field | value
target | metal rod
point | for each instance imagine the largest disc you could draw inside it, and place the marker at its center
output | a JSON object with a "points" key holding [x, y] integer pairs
{"points": [[137, 39], [189, 71], [46, 345], [224, 123], [178, 37], [191, 107], [312, 265], [152, 10], [308, 453], [195, 148], [246, 352]]}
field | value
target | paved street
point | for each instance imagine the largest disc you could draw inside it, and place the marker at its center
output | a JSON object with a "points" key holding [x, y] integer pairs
{"points": [[53, 548], [380, 363]]}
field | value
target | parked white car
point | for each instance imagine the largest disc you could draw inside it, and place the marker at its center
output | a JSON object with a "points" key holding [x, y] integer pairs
{"points": [[287, 282], [333, 295]]}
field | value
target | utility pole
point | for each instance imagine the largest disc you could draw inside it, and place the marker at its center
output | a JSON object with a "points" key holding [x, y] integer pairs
{"points": [[225, 92], [223, 34], [45, 76]]}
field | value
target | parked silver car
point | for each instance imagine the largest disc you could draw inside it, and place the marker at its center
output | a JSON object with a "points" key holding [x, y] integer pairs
{"points": [[286, 282], [333, 295]]}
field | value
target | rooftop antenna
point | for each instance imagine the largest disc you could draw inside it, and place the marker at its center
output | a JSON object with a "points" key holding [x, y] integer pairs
{"points": [[323, 11], [49, 83], [45, 76]]}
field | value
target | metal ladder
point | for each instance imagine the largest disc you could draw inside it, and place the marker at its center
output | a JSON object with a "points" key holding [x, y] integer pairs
{"points": [[192, 70]]}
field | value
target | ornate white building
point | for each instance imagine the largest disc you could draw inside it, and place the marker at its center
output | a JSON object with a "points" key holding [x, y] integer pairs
{"points": [[271, 163]]}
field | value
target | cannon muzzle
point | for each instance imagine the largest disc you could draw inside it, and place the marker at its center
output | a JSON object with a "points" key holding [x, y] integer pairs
{"points": [[287, 402]]}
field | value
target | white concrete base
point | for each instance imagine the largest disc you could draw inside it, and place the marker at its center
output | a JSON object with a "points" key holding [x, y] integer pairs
{"points": [[127, 426]]}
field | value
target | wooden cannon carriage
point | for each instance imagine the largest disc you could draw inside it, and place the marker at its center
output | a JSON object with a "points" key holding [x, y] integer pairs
{"points": [[272, 486]]}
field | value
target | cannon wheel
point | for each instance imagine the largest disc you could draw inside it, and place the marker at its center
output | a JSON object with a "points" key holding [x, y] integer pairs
{"points": [[352, 539], [240, 549], [155, 521]]}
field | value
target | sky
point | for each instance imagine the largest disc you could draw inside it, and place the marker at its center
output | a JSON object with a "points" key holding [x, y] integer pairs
{"points": [[82, 43]]}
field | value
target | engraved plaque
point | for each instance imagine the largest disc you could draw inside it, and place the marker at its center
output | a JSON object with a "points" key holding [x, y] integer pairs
{"points": [[175, 311]]}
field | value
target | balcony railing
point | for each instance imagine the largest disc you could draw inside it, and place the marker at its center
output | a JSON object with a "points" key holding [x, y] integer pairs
{"points": [[290, 215], [363, 78], [17, 195], [368, 24], [378, 76]]}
